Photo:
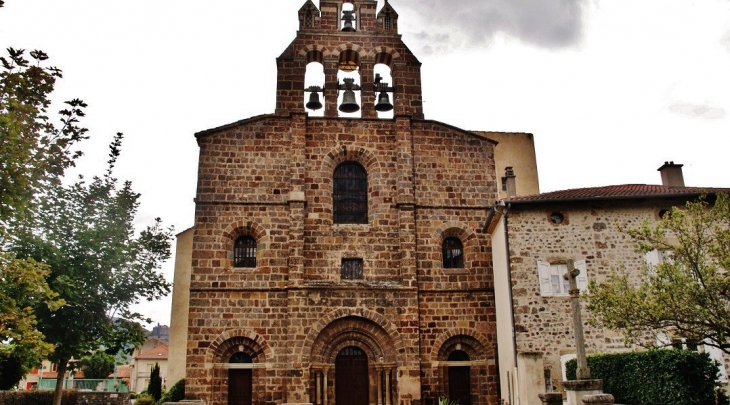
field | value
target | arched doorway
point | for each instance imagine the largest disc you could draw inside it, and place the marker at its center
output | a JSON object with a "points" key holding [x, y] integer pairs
{"points": [[240, 380], [459, 379], [351, 377]]}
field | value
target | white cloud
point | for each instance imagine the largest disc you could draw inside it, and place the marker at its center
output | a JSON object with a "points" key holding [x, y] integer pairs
{"points": [[552, 24], [698, 110]]}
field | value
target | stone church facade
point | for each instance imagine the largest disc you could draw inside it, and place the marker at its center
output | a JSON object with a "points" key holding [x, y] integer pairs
{"points": [[342, 260]]}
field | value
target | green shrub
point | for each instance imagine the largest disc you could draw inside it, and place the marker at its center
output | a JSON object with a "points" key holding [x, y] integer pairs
{"points": [[175, 394], [155, 386], [144, 399], [35, 397], [667, 377]]}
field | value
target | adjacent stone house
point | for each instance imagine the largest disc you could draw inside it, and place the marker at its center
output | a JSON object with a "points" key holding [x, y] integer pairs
{"points": [[534, 236]]}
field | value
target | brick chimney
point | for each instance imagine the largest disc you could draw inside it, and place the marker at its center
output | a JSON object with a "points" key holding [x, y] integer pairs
{"points": [[671, 175], [510, 181]]}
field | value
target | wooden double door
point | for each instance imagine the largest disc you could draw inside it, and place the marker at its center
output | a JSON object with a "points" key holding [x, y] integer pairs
{"points": [[240, 387], [352, 385]]}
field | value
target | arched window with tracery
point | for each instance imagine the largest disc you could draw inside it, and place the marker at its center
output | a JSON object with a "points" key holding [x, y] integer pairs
{"points": [[350, 194], [244, 252], [453, 253]]}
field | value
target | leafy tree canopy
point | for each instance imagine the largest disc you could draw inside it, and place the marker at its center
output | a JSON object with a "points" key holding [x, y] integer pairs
{"points": [[34, 150], [685, 295], [97, 365], [99, 264], [23, 288]]}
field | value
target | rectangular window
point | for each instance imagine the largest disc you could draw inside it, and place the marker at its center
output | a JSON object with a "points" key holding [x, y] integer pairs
{"points": [[560, 286], [552, 280], [351, 269]]}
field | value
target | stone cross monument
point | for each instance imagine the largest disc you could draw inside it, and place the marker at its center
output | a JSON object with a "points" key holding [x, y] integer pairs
{"points": [[583, 373], [584, 389]]}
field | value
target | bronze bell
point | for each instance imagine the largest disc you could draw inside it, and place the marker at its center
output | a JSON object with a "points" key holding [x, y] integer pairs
{"points": [[349, 102], [383, 103], [347, 17], [314, 103]]}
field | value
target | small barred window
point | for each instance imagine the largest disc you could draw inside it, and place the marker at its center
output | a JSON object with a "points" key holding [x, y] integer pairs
{"points": [[453, 253], [244, 252], [351, 269]]}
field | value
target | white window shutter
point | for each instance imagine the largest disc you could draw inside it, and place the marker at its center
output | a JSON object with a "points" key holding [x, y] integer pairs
{"points": [[652, 257], [543, 271], [582, 279]]}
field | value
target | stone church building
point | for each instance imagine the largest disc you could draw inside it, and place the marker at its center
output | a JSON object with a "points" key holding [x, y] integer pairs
{"points": [[341, 259], [342, 249]]}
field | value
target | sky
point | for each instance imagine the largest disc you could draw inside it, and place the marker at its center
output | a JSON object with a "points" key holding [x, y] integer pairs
{"points": [[611, 89]]}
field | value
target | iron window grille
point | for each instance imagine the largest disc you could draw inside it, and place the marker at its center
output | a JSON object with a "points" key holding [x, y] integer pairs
{"points": [[240, 358], [453, 253], [244, 252], [350, 194], [351, 269]]}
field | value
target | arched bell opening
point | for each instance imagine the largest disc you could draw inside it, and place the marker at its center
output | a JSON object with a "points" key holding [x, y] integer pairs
{"points": [[384, 96], [314, 96], [348, 20], [349, 98]]}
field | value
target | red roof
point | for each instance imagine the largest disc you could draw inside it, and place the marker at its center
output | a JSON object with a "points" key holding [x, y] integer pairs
{"points": [[625, 191], [159, 353], [122, 372]]}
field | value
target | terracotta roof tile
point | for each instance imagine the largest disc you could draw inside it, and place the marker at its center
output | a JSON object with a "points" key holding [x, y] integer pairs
{"points": [[122, 372], [625, 191], [159, 352]]}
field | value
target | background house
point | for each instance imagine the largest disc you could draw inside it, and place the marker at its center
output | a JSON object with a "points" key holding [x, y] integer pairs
{"points": [[153, 351]]}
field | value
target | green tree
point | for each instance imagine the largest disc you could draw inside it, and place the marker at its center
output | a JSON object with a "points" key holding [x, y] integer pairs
{"points": [[23, 288], [687, 294], [34, 151], [97, 365], [155, 386], [100, 266]]}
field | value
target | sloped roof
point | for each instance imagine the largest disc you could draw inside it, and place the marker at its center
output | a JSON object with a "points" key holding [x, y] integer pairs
{"points": [[619, 192], [158, 353], [122, 372]]}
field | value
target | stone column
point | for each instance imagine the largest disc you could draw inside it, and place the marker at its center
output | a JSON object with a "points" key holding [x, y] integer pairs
{"points": [[584, 385], [318, 388], [324, 386], [583, 373], [379, 372], [331, 68], [388, 388]]}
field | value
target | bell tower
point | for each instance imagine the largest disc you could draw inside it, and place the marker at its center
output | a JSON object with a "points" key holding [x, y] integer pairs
{"points": [[353, 43]]}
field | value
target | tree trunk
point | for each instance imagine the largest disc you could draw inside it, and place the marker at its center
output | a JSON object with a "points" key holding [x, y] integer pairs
{"points": [[58, 393]]}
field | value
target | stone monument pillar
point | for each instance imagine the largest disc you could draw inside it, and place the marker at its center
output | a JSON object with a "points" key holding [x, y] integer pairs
{"points": [[584, 385]]}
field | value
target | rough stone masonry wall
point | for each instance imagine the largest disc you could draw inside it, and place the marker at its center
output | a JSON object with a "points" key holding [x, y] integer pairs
{"points": [[455, 184], [243, 187], [292, 322], [591, 233]]}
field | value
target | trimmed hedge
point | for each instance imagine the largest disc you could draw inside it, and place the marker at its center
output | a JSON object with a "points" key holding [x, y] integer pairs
{"points": [[667, 377], [36, 397]]}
